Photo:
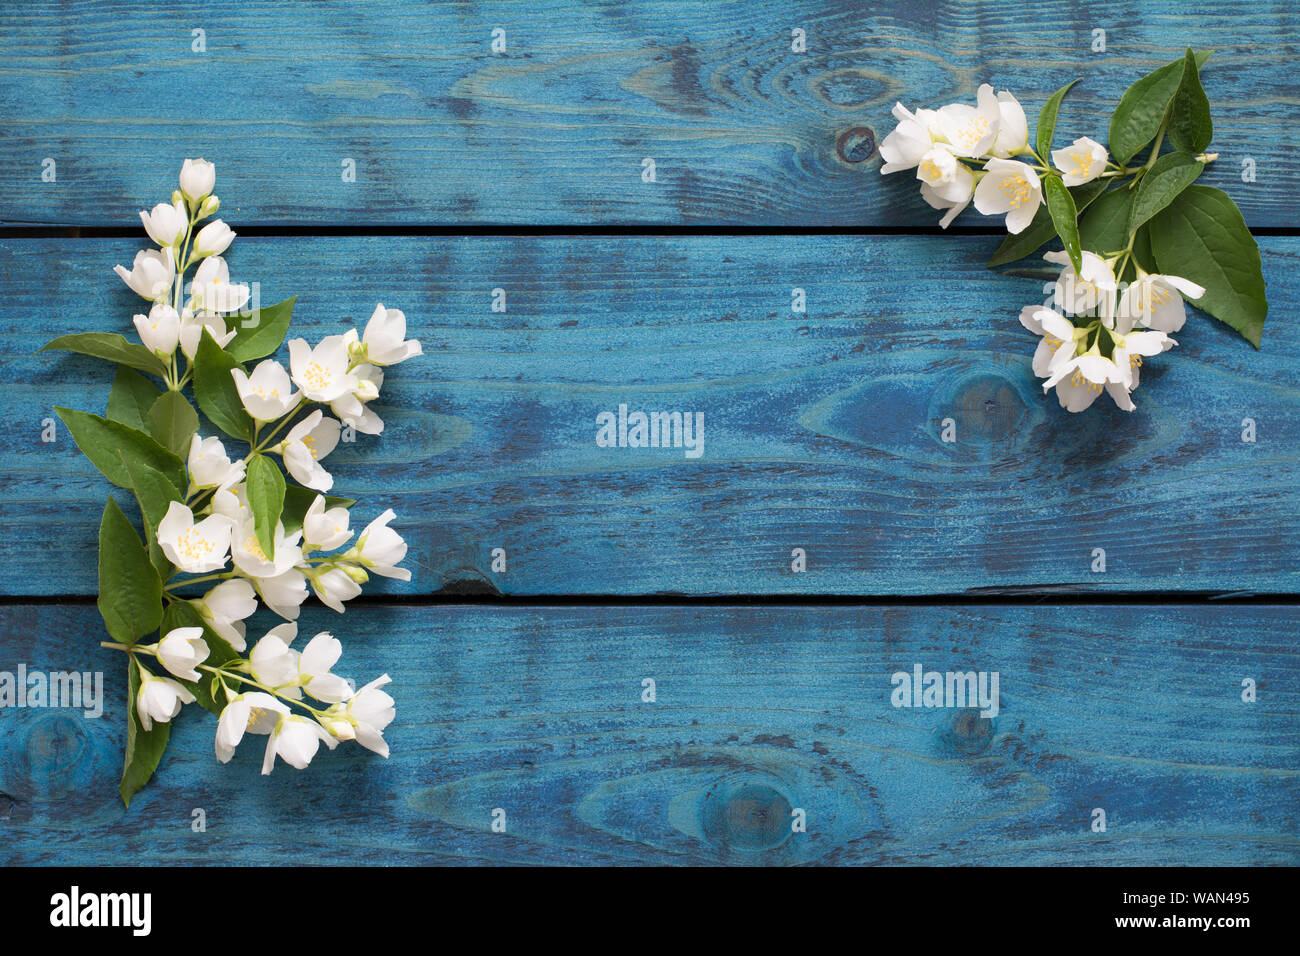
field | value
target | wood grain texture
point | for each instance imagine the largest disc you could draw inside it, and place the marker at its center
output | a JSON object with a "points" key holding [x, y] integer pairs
{"points": [[554, 130], [538, 711], [823, 429]]}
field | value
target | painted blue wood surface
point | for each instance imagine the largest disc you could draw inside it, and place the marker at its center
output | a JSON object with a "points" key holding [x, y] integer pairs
{"points": [[759, 710], [823, 429], [555, 128]]}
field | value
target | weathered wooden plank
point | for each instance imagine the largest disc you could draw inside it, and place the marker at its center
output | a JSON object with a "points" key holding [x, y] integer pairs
{"points": [[555, 128], [758, 711], [823, 430]]}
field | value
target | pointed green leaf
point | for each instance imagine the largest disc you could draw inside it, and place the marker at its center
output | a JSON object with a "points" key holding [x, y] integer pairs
{"points": [[1064, 217], [1202, 236], [1039, 232], [1171, 174], [1190, 126], [104, 441], [130, 591], [131, 398], [111, 347], [144, 748], [173, 422], [1047, 121], [262, 333], [266, 499], [1103, 229], [154, 492], [215, 389], [1143, 108]]}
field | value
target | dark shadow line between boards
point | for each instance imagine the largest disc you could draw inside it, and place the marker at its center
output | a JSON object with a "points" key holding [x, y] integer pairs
{"points": [[992, 597], [38, 231]]}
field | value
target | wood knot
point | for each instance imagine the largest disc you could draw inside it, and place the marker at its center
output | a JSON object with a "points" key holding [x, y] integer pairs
{"points": [[969, 733], [746, 816], [856, 145]]}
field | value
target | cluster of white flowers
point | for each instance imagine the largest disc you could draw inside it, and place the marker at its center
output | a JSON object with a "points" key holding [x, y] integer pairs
{"points": [[1113, 329], [964, 153], [213, 533]]}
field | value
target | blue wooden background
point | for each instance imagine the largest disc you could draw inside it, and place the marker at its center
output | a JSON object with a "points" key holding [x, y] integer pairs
{"points": [[822, 433]]}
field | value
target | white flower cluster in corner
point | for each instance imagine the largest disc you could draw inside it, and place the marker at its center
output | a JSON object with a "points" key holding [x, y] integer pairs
{"points": [[963, 153], [213, 532], [1115, 326]]}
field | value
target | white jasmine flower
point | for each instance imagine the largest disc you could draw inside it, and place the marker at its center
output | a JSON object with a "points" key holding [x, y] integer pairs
{"points": [[1130, 349], [1077, 293], [211, 289], [307, 442], [1010, 187], [1059, 337], [354, 412], [251, 560], [213, 239], [321, 653], [160, 330], [972, 130], [952, 197], [182, 651], [252, 713], [210, 466], [1156, 301], [198, 177], [151, 274], [909, 142], [160, 699], [295, 740], [334, 585], [274, 663], [380, 548], [194, 548], [267, 394], [1013, 128], [938, 167], [385, 337], [192, 326], [225, 607], [1079, 380], [322, 372], [364, 716], [1080, 162], [232, 502], [325, 528], [284, 593], [166, 224]]}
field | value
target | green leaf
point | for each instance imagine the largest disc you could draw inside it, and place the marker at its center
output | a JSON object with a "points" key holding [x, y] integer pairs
{"points": [[104, 441], [1190, 125], [1064, 217], [131, 398], [298, 499], [1202, 236], [215, 389], [1171, 174], [1104, 228], [266, 499], [1143, 107], [262, 333], [144, 748], [130, 591], [1047, 121], [112, 347], [154, 492], [185, 614], [1042, 229], [173, 422]]}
